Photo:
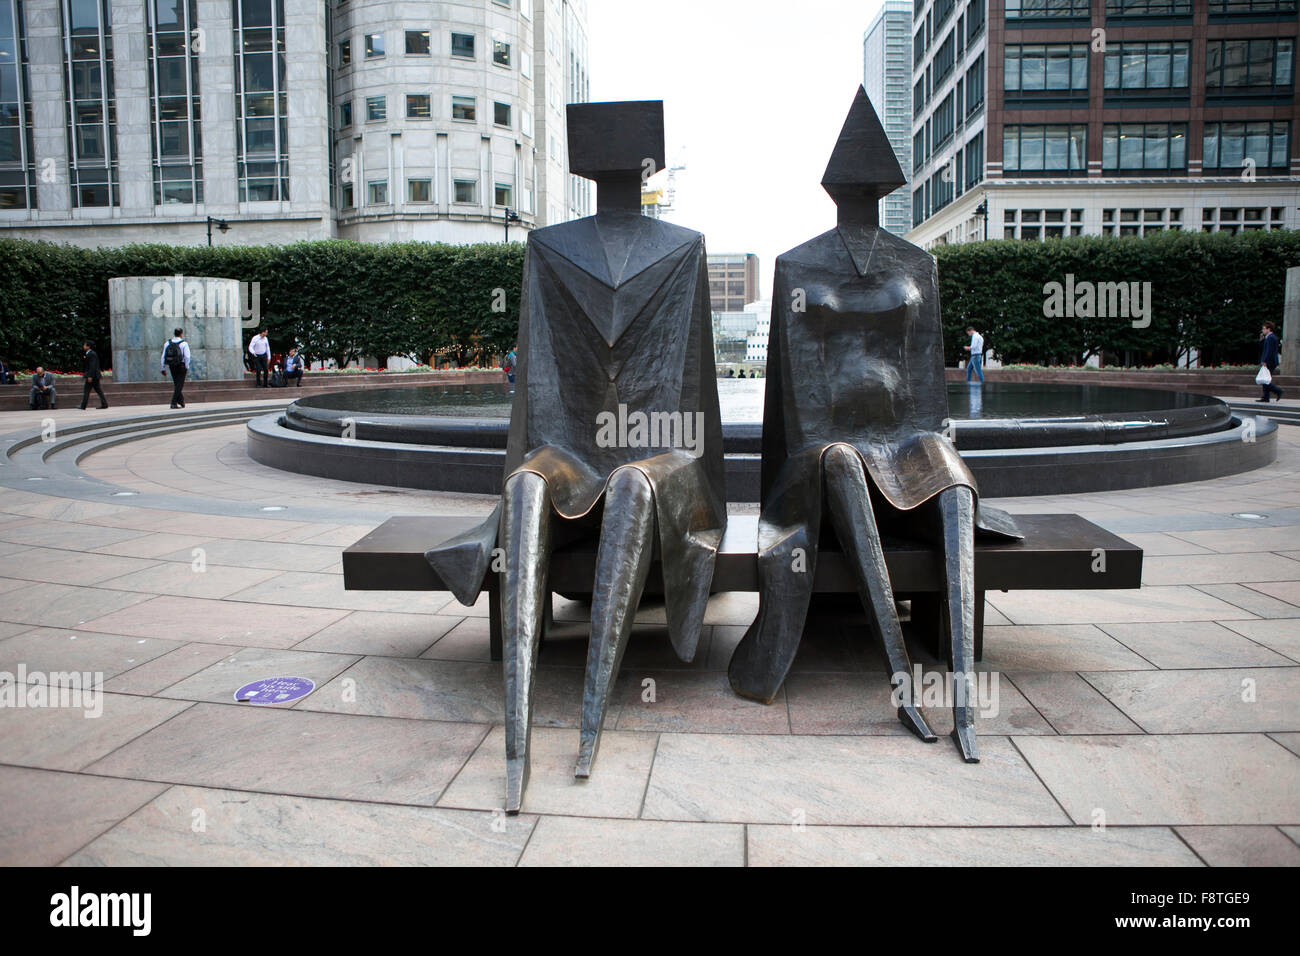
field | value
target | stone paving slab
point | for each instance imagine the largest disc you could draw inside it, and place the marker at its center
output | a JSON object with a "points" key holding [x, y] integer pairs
{"points": [[1206, 701], [876, 781], [161, 672], [49, 815], [218, 682], [615, 788], [967, 846], [59, 605], [1071, 705], [69, 738], [1172, 603], [294, 752], [235, 828], [219, 622], [1242, 846], [1200, 779], [580, 841], [1057, 647], [54, 649], [1193, 644], [380, 633]]}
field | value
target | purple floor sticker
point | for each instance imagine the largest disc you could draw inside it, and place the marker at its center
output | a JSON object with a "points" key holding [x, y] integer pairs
{"points": [[275, 690]]}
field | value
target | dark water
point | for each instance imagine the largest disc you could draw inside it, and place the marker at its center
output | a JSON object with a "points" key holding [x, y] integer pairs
{"points": [[742, 400]]}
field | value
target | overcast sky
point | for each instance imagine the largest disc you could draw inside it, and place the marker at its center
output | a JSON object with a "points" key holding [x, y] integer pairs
{"points": [[754, 92]]}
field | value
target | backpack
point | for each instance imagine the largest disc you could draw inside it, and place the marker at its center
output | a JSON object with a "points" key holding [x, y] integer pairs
{"points": [[172, 354], [277, 379]]}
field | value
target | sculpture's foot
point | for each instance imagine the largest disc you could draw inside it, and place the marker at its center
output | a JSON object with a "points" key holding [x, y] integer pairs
{"points": [[965, 738], [516, 781], [911, 719], [586, 754]]}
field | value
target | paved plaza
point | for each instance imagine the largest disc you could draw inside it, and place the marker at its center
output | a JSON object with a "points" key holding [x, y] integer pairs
{"points": [[1158, 726]]}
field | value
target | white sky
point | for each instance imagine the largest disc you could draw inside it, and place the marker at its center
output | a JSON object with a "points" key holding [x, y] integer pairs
{"points": [[754, 92]]}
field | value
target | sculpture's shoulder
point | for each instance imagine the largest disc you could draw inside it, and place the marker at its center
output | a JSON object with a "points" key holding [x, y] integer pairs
{"points": [[831, 252], [614, 226]]}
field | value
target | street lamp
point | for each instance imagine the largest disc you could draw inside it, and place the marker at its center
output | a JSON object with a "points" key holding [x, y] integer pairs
{"points": [[222, 226], [510, 216], [982, 211]]}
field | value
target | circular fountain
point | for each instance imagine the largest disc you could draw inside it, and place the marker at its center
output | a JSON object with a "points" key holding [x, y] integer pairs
{"points": [[1019, 438]]}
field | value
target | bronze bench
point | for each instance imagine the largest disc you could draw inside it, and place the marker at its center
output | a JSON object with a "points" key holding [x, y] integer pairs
{"points": [[1059, 552]]}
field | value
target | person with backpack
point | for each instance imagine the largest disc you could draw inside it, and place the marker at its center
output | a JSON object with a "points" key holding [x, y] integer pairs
{"points": [[176, 359], [509, 366]]}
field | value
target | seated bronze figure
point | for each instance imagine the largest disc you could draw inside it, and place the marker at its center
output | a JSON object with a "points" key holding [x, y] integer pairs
{"points": [[852, 434], [614, 432]]}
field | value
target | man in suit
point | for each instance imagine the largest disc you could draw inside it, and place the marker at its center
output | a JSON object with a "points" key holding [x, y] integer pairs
{"points": [[176, 359], [91, 373], [42, 395], [293, 366], [1269, 357]]}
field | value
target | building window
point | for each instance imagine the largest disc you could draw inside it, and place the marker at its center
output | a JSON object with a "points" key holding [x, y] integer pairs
{"points": [[975, 86], [918, 207], [418, 43], [176, 139], [1048, 9], [418, 106], [17, 157], [462, 44], [463, 108], [377, 192], [262, 104], [1248, 67], [1145, 66], [918, 99], [374, 46], [465, 190], [1219, 8], [918, 151], [419, 190], [918, 49], [504, 195], [942, 9], [1248, 219], [501, 114], [1044, 149], [944, 58], [345, 52], [1056, 68], [1146, 147], [943, 123], [345, 115], [91, 110], [500, 53], [376, 108], [975, 160], [1227, 146], [1148, 8], [974, 20], [348, 196]]}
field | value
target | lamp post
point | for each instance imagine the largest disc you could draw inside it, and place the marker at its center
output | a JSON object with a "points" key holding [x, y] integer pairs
{"points": [[510, 216], [222, 226], [982, 211]]}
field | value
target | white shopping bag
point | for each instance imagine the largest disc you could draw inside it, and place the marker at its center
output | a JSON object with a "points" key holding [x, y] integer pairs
{"points": [[1264, 377]]}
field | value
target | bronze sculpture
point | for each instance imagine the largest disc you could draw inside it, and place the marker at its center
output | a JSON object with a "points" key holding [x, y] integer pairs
{"points": [[615, 429], [855, 403]]}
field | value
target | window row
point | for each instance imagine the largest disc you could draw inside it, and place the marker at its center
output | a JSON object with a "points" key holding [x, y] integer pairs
{"points": [[1035, 68], [1251, 66], [420, 106], [1045, 148], [1146, 66], [374, 46], [464, 191]]}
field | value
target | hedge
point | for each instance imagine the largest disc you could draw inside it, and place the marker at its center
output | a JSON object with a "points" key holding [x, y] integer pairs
{"points": [[334, 299], [1209, 291], [342, 300]]}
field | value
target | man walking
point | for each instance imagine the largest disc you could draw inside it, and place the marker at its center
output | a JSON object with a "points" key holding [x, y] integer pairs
{"points": [[1269, 357], [975, 362], [42, 394], [176, 359], [260, 349], [91, 373]]}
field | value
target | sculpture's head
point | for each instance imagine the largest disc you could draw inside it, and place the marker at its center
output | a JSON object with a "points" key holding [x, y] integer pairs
{"points": [[863, 167], [617, 146]]}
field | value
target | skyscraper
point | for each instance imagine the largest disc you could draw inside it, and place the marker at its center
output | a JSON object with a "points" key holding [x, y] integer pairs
{"points": [[887, 78], [137, 120]]}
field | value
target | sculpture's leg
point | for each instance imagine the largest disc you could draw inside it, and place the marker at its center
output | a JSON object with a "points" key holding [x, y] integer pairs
{"points": [[849, 501], [526, 537], [622, 563], [957, 510]]}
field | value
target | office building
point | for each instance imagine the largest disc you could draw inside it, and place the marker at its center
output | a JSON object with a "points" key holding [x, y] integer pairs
{"points": [[733, 281], [887, 78]]}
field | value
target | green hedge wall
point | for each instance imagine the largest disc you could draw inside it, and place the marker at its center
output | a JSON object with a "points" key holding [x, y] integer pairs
{"points": [[334, 299], [1209, 291], [342, 300]]}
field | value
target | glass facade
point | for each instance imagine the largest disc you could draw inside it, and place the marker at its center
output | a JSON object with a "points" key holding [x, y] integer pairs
{"points": [[261, 103], [91, 108], [174, 113], [17, 157]]}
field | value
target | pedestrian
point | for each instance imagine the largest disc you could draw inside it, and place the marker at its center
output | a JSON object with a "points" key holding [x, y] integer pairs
{"points": [[176, 359], [1269, 358], [293, 366], [509, 365], [43, 391], [976, 349], [91, 374], [7, 376], [260, 349]]}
